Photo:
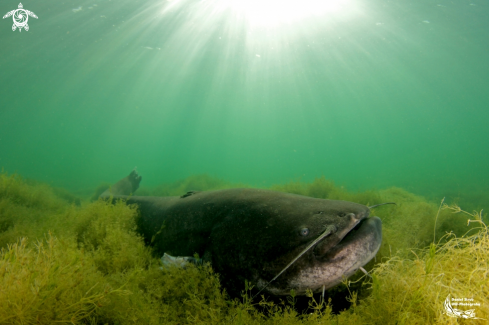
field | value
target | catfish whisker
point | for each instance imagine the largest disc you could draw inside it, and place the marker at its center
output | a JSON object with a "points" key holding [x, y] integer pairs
{"points": [[378, 205], [331, 229], [365, 271]]}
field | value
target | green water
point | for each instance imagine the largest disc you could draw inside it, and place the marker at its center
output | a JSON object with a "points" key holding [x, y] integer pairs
{"points": [[370, 94]]}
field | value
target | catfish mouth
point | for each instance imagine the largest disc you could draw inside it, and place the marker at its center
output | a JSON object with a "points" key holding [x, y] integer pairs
{"points": [[363, 228], [366, 234]]}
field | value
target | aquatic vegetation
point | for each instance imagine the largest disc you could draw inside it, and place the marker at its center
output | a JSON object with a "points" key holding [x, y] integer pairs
{"points": [[193, 183], [108, 231], [99, 190], [88, 265], [16, 190], [53, 282], [413, 290], [325, 189], [25, 209]]}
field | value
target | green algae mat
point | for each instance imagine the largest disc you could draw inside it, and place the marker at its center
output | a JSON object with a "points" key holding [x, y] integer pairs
{"points": [[69, 260]]}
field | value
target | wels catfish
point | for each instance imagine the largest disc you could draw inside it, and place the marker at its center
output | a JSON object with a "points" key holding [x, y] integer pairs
{"points": [[277, 241]]}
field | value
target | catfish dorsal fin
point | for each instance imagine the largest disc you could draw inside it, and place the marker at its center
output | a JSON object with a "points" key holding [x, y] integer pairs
{"points": [[189, 193]]}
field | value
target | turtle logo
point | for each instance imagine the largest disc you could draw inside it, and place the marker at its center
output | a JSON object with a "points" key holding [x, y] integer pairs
{"points": [[20, 17]]}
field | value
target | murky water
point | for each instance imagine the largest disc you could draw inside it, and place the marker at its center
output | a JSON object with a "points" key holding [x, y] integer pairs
{"points": [[369, 94]]}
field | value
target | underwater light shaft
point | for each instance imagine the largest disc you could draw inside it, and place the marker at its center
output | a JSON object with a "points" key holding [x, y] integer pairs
{"points": [[275, 12], [264, 13]]}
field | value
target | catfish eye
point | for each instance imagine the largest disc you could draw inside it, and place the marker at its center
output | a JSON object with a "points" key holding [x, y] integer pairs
{"points": [[304, 231]]}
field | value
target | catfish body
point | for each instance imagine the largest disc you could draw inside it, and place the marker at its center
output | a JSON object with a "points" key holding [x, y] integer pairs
{"points": [[252, 234]]}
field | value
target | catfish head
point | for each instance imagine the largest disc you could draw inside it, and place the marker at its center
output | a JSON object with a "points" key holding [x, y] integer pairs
{"points": [[286, 241]]}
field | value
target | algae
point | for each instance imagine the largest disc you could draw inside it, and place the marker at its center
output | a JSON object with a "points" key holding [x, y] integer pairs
{"points": [[192, 183], [60, 262]]}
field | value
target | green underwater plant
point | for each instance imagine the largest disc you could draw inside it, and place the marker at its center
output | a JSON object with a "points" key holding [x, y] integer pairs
{"points": [[63, 263], [413, 291], [202, 182], [52, 282], [99, 190]]}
